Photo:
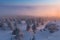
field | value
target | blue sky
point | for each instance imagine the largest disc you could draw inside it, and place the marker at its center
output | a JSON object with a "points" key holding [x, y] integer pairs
{"points": [[25, 2]]}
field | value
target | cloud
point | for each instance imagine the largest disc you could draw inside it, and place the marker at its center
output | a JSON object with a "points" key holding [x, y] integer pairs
{"points": [[43, 10]]}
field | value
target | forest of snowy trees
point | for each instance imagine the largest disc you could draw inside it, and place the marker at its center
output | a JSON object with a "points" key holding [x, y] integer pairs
{"points": [[15, 24]]}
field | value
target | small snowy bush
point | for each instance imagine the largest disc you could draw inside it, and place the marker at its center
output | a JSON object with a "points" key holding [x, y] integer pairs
{"points": [[52, 27]]}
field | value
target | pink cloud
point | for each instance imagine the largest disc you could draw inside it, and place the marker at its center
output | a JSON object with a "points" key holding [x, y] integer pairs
{"points": [[30, 10]]}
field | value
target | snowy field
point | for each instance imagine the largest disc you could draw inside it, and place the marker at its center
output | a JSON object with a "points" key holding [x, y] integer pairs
{"points": [[44, 35]]}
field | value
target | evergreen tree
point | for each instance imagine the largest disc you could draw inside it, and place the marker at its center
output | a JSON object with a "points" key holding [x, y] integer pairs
{"points": [[1, 24], [15, 32], [28, 27], [33, 38], [34, 28]]}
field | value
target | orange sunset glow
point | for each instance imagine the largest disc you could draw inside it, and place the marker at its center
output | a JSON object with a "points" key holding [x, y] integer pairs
{"points": [[33, 8]]}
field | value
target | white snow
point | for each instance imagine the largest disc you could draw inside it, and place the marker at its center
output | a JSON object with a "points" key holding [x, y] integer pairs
{"points": [[44, 35], [5, 35]]}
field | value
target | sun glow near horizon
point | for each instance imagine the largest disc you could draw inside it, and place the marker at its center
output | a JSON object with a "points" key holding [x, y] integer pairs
{"points": [[30, 7]]}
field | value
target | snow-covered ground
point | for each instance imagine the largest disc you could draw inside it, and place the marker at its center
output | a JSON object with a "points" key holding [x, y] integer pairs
{"points": [[44, 35], [5, 35]]}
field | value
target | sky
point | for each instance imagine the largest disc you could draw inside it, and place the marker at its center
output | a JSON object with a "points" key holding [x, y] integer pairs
{"points": [[27, 2], [30, 7]]}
